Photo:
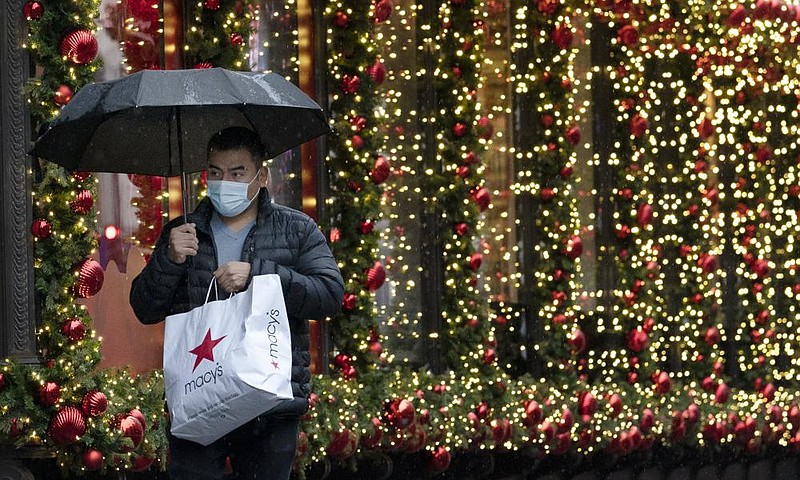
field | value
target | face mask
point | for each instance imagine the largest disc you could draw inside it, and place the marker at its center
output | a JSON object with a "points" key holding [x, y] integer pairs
{"points": [[230, 198]]}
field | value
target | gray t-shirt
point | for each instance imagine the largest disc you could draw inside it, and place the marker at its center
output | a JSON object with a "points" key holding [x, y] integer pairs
{"points": [[229, 243]]}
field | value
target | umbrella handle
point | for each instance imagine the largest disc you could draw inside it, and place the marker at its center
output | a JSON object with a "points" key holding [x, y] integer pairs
{"points": [[185, 195]]}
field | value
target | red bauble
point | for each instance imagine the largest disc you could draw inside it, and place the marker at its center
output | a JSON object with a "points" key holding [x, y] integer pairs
{"points": [[132, 428], [705, 128], [587, 405], [459, 129], [566, 172], [2, 382], [67, 425], [358, 122], [577, 341], [211, 5], [49, 394], [573, 134], [737, 16], [711, 336], [475, 260], [63, 95], [357, 142], [41, 228], [639, 125], [342, 445], [562, 36], [485, 128], [470, 158], [722, 393], [489, 356], [138, 415], [461, 229], [615, 403], [236, 39], [574, 247], [439, 460], [93, 460], [367, 226], [637, 340], [203, 65], [73, 329], [463, 171], [90, 278], [663, 383], [377, 71], [94, 403], [79, 46], [340, 19], [400, 413], [382, 11], [644, 214], [84, 200], [141, 463], [349, 302], [627, 35], [647, 420], [376, 275], [381, 170], [482, 198], [350, 83], [33, 10]]}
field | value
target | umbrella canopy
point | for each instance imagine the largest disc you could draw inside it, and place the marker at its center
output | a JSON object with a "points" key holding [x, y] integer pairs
{"points": [[158, 122]]}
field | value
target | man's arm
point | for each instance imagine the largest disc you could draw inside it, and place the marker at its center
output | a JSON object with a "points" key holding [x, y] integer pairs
{"points": [[314, 288], [153, 290]]}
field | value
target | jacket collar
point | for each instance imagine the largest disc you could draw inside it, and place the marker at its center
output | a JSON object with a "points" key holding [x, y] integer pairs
{"points": [[201, 216]]}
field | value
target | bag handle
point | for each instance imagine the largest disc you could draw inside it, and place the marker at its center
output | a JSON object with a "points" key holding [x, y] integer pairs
{"points": [[213, 283]]}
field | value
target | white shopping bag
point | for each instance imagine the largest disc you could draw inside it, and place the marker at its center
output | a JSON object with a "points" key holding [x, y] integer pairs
{"points": [[227, 361]]}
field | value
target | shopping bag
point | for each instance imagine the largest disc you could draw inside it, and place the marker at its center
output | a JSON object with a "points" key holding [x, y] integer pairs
{"points": [[227, 361]]}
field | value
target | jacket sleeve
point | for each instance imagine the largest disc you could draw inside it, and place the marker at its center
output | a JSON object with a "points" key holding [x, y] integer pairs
{"points": [[314, 288], [153, 290]]}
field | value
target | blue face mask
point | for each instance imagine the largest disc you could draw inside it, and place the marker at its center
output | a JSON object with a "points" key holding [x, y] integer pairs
{"points": [[230, 198]]}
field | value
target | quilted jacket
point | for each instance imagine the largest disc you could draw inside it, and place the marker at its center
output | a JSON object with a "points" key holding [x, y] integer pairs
{"points": [[283, 241]]}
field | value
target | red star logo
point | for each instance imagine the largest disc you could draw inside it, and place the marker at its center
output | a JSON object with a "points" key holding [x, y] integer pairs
{"points": [[275, 364], [206, 349]]}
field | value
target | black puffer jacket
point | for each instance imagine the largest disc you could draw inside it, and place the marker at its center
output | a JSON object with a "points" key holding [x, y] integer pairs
{"points": [[283, 241]]}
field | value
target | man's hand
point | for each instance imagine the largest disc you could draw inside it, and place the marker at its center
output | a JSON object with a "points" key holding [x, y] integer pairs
{"points": [[233, 276], [182, 243]]}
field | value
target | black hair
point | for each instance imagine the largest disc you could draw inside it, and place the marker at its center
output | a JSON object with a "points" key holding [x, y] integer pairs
{"points": [[236, 138]]}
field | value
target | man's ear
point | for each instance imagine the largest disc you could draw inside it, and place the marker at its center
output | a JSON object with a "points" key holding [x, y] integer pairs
{"points": [[263, 175]]}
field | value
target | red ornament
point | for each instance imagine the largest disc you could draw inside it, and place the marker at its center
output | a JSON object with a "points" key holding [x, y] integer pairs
{"points": [[350, 83], [705, 128], [547, 194], [79, 46], [73, 329], [470, 158], [63, 95], [533, 414], [475, 261], [463, 171], [565, 172], [373, 439], [342, 445], [547, 7], [2, 382], [647, 420], [212, 5], [459, 129], [41, 228], [81, 176], [637, 340], [461, 229], [644, 215], [340, 19], [627, 35], [83, 202], [615, 403], [67, 425], [94, 403], [737, 16], [33, 10], [138, 415], [203, 65], [711, 336], [377, 71], [439, 460], [485, 128], [133, 429], [562, 36], [638, 125], [382, 11], [663, 383], [722, 393], [367, 226], [400, 413], [90, 278], [577, 341], [236, 39], [357, 142], [93, 460], [547, 120], [376, 275], [349, 302], [381, 170], [141, 463], [49, 394], [573, 134], [482, 198], [574, 247], [489, 356]]}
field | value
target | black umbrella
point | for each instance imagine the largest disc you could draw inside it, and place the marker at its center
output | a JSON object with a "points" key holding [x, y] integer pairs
{"points": [[158, 122]]}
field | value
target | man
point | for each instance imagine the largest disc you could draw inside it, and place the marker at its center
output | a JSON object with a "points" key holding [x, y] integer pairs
{"points": [[234, 234]]}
